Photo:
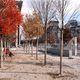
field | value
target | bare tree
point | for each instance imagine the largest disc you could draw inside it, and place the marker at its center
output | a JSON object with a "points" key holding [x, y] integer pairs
{"points": [[61, 10], [64, 13], [46, 12]]}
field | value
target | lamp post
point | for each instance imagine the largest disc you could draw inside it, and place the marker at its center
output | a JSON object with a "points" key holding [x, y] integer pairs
{"points": [[19, 4]]}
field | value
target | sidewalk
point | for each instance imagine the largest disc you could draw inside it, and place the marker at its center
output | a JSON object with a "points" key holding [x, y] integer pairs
{"points": [[76, 57], [23, 50], [26, 67]]}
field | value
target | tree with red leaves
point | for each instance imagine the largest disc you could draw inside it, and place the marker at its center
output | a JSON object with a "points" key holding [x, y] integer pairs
{"points": [[10, 18]]}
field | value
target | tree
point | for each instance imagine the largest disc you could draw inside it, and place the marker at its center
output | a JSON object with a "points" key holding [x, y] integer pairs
{"points": [[51, 38], [67, 35], [46, 12], [64, 13], [33, 27], [10, 18]]}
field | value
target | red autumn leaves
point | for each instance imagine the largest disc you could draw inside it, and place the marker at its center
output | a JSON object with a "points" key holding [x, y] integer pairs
{"points": [[10, 17]]}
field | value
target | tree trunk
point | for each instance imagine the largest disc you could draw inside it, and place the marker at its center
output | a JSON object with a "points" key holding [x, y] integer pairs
{"points": [[26, 47], [2, 52], [45, 55], [61, 51], [1, 55], [6, 42], [18, 36], [37, 50], [29, 48], [32, 48], [61, 42]]}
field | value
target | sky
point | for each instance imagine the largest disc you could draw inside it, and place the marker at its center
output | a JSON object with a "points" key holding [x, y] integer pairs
{"points": [[26, 7]]}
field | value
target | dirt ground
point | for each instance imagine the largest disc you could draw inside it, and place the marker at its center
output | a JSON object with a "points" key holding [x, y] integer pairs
{"points": [[26, 67]]}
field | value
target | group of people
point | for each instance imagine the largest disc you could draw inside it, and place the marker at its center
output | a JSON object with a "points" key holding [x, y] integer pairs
{"points": [[7, 53]]}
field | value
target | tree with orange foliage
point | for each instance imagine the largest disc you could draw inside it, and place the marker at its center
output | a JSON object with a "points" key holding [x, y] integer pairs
{"points": [[33, 27]]}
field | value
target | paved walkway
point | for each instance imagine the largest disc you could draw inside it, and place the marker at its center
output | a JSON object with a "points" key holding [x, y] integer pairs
{"points": [[26, 67], [23, 50]]}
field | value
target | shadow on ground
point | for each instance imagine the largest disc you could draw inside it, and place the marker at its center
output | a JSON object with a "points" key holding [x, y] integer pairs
{"points": [[64, 75]]}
